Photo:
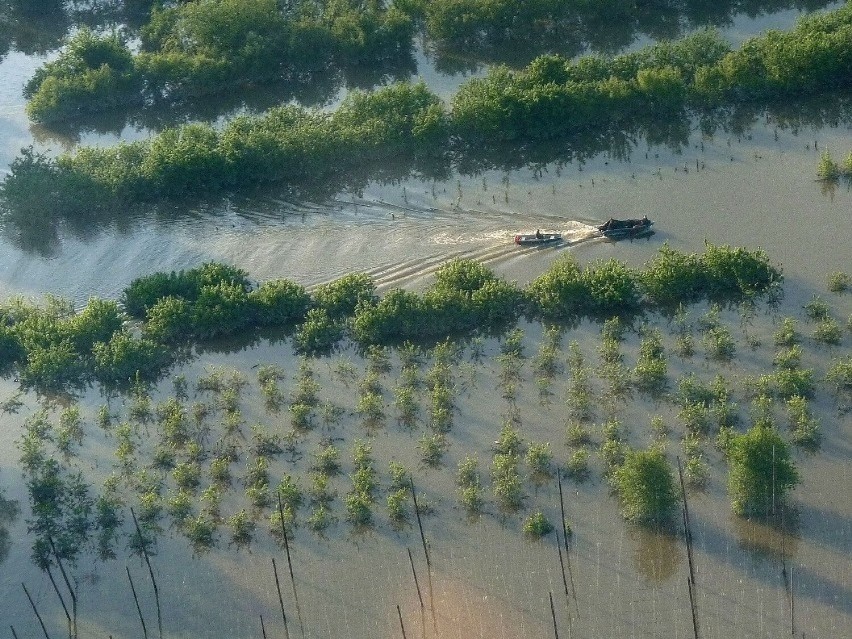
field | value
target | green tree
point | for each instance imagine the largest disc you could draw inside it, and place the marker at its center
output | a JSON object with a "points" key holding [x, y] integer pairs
{"points": [[646, 487], [760, 471]]}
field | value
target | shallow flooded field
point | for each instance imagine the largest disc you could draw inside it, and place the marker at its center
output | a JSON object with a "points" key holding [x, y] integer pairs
{"points": [[751, 184], [487, 578]]}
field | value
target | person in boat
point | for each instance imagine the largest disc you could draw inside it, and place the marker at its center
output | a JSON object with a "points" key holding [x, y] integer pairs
{"points": [[538, 234]]}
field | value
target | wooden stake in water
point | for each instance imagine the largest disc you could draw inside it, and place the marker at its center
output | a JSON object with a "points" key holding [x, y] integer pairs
{"points": [[68, 584], [262, 627], [428, 558], [290, 566], [564, 579], [553, 615], [691, 587], [416, 582], [420, 524], [401, 625], [150, 572], [280, 598], [686, 524], [14, 634], [792, 604], [61, 600], [136, 600], [565, 540], [35, 610]]}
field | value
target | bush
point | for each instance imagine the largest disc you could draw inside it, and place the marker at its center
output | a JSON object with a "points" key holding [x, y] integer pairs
{"points": [[280, 303], [340, 298], [318, 334], [537, 526], [646, 486], [760, 471], [839, 282]]}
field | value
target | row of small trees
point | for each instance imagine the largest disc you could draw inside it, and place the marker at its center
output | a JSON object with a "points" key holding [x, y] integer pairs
{"points": [[52, 346], [552, 97]]}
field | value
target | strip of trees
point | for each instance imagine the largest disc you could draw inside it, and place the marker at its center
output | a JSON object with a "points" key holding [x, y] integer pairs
{"points": [[553, 97], [51, 346]]}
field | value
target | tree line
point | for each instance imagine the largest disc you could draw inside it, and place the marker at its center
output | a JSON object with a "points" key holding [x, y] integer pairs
{"points": [[551, 99], [51, 346]]}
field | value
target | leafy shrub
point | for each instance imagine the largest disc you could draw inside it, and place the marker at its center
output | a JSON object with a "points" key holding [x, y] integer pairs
{"points": [[760, 471], [340, 298], [537, 526], [646, 487]]}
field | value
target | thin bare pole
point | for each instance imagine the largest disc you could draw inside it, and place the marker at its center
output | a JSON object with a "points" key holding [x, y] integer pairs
{"points": [[565, 541], [61, 600], [564, 581], [428, 558], [262, 627], [14, 634], [553, 615], [401, 625], [136, 600], [290, 565], [686, 523], [280, 598], [414, 572], [67, 583], [150, 572], [691, 587], [35, 610], [792, 604], [420, 524]]}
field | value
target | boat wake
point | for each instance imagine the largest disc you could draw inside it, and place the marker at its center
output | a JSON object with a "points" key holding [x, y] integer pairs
{"points": [[488, 247]]}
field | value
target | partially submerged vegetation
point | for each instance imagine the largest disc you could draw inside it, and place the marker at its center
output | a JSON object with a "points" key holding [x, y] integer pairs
{"points": [[213, 46], [52, 346], [552, 98]]}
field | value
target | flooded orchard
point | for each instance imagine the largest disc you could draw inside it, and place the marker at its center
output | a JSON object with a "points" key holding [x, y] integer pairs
{"points": [[210, 527]]}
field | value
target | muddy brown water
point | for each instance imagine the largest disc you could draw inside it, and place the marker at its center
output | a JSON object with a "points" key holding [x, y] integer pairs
{"points": [[753, 189]]}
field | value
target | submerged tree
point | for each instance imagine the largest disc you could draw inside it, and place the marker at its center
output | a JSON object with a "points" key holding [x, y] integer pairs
{"points": [[760, 471], [646, 486]]}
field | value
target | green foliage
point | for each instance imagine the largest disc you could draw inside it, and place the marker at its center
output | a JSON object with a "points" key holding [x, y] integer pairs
{"points": [[537, 526], [578, 465], [93, 73], [817, 309], [340, 298], [210, 46], [201, 532], [506, 481], [828, 331], [839, 282], [760, 472], [804, 425], [786, 334], [432, 448], [280, 303], [646, 487], [318, 334], [719, 344], [651, 368], [827, 168], [539, 459], [242, 528]]}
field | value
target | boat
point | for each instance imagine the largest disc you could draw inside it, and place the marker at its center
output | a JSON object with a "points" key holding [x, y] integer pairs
{"points": [[538, 239], [620, 229]]}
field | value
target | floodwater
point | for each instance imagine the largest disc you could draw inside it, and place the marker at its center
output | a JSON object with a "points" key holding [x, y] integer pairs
{"points": [[753, 186]]}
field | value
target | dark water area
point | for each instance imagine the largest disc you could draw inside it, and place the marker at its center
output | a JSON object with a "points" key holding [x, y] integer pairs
{"points": [[748, 180]]}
